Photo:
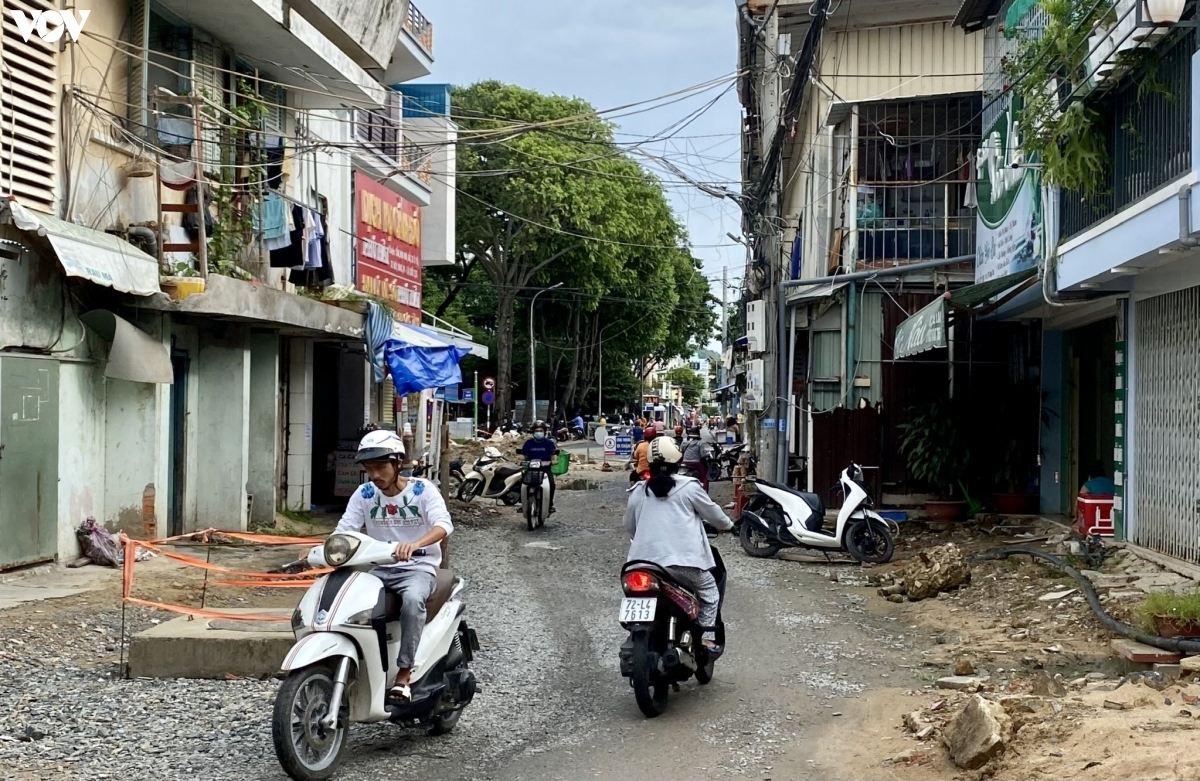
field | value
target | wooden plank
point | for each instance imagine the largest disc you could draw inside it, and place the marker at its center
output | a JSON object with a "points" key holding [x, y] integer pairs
{"points": [[193, 247], [181, 208]]}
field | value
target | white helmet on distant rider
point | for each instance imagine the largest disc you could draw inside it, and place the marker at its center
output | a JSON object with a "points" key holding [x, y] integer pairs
{"points": [[663, 450], [380, 446]]}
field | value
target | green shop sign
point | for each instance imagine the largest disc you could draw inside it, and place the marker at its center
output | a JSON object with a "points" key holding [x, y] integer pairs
{"points": [[923, 331]]}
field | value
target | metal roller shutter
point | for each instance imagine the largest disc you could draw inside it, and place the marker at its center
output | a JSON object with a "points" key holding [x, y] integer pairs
{"points": [[28, 110], [1168, 423]]}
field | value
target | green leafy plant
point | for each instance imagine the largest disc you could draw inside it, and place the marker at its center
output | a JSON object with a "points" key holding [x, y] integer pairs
{"points": [[934, 447], [1182, 607], [233, 228]]}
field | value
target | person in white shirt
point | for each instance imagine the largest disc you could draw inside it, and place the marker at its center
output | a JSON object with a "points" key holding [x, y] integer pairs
{"points": [[411, 512]]}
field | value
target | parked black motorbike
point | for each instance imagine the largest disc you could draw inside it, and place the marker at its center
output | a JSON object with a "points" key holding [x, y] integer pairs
{"points": [[664, 646]]}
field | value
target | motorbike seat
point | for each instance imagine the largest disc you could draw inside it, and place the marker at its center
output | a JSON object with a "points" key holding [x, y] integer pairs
{"points": [[446, 581], [814, 501], [505, 471]]}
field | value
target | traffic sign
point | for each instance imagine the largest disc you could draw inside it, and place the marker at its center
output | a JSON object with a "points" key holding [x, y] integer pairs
{"points": [[610, 446], [489, 398], [624, 445], [489, 383], [468, 395], [601, 434]]}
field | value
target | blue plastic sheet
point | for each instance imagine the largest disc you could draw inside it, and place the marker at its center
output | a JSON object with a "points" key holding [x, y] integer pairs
{"points": [[415, 369]]}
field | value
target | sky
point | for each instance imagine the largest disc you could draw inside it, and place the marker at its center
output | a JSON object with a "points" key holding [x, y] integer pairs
{"points": [[612, 53]]}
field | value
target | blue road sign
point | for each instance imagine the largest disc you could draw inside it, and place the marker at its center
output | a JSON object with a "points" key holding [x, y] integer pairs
{"points": [[468, 395], [489, 398], [624, 445]]}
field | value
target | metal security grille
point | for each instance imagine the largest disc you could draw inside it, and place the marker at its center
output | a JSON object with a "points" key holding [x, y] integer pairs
{"points": [[1148, 133], [1168, 423], [28, 109]]}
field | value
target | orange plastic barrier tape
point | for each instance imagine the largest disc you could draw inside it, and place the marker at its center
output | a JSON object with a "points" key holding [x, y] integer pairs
{"points": [[202, 564], [201, 613], [264, 539]]}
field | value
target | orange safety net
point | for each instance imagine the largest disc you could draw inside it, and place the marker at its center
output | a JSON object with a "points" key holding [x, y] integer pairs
{"points": [[245, 579]]}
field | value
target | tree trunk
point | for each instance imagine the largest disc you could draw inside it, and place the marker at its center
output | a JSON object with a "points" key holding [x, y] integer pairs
{"points": [[504, 353], [573, 379], [530, 401]]}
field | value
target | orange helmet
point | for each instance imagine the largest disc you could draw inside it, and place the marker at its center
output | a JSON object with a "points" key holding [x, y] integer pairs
{"points": [[679, 431]]}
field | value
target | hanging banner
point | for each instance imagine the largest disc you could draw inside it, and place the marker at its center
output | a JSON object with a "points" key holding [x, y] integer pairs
{"points": [[1011, 226], [923, 331], [388, 230]]}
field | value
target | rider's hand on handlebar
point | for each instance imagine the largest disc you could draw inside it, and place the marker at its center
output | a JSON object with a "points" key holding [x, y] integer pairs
{"points": [[404, 551]]}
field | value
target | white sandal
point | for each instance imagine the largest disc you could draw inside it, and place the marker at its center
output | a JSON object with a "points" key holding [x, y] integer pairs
{"points": [[400, 693]]}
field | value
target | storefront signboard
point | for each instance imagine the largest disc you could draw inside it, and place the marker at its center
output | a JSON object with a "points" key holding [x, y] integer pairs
{"points": [[388, 235]]}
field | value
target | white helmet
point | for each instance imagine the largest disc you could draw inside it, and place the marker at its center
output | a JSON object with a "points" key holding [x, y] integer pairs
{"points": [[380, 445], [663, 450]]}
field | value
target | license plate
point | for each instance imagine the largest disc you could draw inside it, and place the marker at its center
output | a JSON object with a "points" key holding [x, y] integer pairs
{"points": [[638, 611]]}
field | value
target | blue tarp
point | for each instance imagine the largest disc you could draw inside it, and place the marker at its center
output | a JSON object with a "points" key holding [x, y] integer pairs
{"points": [[415, 369]]}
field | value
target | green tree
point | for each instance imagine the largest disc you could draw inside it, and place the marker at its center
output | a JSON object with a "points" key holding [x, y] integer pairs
{"points": [[693, 384]]}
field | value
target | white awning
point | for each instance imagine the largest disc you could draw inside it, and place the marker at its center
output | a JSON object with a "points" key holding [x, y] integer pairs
{"points": [[429, 336], [135, 355], [93, 255]]}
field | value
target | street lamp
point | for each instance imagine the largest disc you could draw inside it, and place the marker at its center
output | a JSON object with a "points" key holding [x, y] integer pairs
{"points": [[600, 383], [533, 354]]}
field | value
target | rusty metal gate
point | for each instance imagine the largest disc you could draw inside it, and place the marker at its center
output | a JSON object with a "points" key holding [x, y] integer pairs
{"points": [[839, 437], [1168, 423]]}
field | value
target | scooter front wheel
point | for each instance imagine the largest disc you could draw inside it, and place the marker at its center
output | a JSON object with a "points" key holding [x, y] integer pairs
{"points": [[306, 750], [870, 542], [469, 489]]}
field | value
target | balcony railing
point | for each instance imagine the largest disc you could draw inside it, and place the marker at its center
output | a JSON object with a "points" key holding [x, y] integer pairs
{"points": [[420, 28], [416, 162], [1149, 138], [915, 222]]}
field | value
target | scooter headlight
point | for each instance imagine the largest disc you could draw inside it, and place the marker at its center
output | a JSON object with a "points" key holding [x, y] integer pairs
{"points": [[339, 548]]}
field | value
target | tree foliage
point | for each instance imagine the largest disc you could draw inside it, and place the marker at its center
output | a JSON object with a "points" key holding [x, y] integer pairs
{"points": [[690, 382], [562, 204]]}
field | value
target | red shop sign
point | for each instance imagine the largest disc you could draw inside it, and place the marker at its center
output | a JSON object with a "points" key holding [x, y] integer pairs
{"points": [[389, 247]]}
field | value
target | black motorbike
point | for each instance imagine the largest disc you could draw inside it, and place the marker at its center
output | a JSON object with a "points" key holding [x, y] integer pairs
{"points": [[664, 646]]}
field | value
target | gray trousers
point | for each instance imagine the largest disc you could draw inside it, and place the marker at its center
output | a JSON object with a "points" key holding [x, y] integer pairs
{"points": [[414, 587], [705, 585]]}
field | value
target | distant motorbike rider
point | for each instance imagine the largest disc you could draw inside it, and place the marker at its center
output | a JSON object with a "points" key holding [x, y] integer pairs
{"points": [[641, 456], [542, 448], [694, 450], [409, 511], [577, 422], [665, 520]]}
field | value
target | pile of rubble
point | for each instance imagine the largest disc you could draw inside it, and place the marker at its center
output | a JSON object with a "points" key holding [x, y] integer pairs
{"points": [[928, 574], [978, 720]]}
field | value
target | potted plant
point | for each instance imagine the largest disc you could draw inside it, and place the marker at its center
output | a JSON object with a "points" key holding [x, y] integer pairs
{"points": [[1171, 614], [936, 457], [1012, 495]]}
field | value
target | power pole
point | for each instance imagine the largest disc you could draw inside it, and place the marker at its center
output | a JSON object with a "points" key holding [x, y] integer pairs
{"points": [[723, 375], [770, 88]]}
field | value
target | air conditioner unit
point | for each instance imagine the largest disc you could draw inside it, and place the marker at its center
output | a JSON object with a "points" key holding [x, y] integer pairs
{"points": [[756, 326], [755, 396]]}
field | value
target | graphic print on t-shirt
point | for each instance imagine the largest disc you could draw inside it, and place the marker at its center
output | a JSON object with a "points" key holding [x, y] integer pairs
{"points": [[397, 511]]}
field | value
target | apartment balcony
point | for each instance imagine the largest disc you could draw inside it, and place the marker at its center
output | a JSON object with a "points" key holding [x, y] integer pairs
{"points": [[1149, 137], [412, 50], [288, 47]]}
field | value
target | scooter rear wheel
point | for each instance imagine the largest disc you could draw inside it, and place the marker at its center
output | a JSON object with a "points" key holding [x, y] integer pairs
{"points": [[755, 544], [651, 694]]}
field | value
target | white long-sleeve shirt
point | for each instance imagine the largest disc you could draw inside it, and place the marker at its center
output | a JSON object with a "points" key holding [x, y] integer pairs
{"points": [[670, 531], [406, 517]]}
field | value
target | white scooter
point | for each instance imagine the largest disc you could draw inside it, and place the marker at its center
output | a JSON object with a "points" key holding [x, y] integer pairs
{"points": [[344, 660], [492, 479], [777, 516], [535, 494]]}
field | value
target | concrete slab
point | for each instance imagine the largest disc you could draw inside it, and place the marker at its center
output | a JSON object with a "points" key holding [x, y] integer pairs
{"points": [[1145, 654], [54, 583], [212, 648]]}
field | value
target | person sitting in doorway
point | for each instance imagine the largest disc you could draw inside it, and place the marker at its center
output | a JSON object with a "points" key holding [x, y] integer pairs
{"points": [[1098, 482]]}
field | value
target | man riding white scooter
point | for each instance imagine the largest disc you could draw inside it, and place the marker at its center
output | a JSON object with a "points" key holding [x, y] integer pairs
{"points": [[409, 511], [542, 448]]}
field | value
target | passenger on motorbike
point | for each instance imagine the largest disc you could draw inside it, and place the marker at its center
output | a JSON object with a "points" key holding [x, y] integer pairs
{"points": [[694, 450], [542, 448], [641, 456], [411, 513], [665, 520]]}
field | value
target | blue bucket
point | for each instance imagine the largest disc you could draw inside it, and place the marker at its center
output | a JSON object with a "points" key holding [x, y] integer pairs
{"points": [[899, 516]]}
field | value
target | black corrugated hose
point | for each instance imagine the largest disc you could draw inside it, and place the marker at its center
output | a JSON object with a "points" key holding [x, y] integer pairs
{"points": [[1173, 644]]}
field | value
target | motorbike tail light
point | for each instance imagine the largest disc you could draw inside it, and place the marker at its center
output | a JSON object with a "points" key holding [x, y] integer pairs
{"points": [[640, 582], [683, 600]]}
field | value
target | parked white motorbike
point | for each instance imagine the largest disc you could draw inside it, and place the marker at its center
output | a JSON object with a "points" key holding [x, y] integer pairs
{"points": [[535, 494], [492, 479], [777, 516], [347, 638]]}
